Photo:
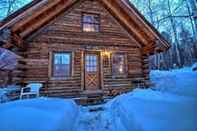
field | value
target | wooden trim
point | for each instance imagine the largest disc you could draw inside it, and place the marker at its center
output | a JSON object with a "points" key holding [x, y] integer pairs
{"points": [[82, 23], [98, 53], [36, 14], [52, 59], [101, 72], [50, 64], [82, 71], [126, 62], [125, 14], [125, 75], [125, 30], [125, 21], [73, 64], [146, 23]]}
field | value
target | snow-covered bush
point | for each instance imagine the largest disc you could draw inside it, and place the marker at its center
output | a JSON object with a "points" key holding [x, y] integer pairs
{"points": [[194, 67], [5, 92], [43, 114], [3, 97]]}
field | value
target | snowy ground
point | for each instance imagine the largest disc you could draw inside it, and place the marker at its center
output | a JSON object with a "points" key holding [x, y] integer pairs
{"points": [[5, 91], [171, 105], [42, 114], [95, 118]]}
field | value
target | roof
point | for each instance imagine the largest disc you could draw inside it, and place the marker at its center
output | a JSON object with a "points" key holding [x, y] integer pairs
{"points": [[8, 60], [38, 13]]}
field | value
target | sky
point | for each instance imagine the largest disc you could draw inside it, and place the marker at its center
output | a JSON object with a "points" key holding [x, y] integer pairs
{"points": [[4, 6]]}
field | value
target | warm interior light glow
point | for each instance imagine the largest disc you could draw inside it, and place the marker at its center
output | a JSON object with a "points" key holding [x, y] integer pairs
{"points": [[121, 69], [106, 53]]}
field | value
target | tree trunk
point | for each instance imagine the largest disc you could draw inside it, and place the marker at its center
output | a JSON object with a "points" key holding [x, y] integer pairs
{"points": [[191, 20], [172, 22], [193, 4]]}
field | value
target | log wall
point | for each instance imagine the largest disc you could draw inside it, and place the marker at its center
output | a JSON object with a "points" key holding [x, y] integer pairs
{"points": [[65, 34]]}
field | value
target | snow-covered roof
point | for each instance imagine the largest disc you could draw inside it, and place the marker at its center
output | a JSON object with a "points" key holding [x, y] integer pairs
{"points": [[8, 60]]}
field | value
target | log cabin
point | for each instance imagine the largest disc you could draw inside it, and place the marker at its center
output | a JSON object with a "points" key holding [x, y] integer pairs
{"points": [[81, 47]]}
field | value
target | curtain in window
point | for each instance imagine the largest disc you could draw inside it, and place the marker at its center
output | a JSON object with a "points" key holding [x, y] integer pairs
{"points": [[61, 64], [90, 23], [118, 64]]}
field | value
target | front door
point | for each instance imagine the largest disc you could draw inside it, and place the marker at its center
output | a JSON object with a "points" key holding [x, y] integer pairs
{"points": [[92, 68]]}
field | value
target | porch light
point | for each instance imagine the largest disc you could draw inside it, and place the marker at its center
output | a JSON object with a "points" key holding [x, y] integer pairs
{"points": [[106, 57], [106, 54]]}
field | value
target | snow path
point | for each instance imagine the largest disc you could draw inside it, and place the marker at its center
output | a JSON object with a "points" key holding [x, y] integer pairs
{"points": [[95, 118]]}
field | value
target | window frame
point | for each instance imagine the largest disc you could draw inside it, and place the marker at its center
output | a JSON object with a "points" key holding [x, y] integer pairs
{"points": [[70, 65], [125, 74], [90, 23]]}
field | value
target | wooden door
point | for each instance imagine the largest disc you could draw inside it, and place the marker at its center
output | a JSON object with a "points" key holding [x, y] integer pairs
{"points": [[92, 71]]}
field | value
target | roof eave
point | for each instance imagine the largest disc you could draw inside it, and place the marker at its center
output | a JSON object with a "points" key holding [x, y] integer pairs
{"points": [[164, 43]]}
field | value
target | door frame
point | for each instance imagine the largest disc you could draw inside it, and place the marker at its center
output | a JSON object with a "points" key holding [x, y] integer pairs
{"points": [[98, 53]]}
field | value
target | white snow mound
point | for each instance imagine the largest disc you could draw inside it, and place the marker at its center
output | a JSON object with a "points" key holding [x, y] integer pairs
{"points": [[42, 114]]}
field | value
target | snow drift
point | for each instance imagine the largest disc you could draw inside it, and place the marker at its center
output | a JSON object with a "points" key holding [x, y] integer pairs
{"points": [[43, 114], [170, 106]]}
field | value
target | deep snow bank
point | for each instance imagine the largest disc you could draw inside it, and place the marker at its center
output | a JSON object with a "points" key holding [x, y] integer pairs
{"points": [[172, 106], [43, 114], [181, 81]]}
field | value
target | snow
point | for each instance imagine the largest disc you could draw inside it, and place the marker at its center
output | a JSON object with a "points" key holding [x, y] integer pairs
{"points": [[170, 105], [194, 67], [3, 96], [41, 114], [180, 82], [99, 120], [156, 113], [5, 91]]}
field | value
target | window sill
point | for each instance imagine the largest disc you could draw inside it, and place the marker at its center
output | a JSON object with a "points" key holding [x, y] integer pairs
{"points": [[60, 78], [91, 32], [119, 76]]}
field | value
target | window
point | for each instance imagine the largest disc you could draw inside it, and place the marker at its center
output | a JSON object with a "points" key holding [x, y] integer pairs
{"points": [[91, 63], [119, 64], [61, 65], [91, 23]]}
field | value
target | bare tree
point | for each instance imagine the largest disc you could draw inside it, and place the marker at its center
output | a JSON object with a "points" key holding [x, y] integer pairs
{"points": [[191, 19], [10, 6], [173, 25], [193, 4]]}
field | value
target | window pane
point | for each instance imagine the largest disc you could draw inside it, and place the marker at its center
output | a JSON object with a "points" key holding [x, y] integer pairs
{"points": [[118, 64], [91, 63], [94, 19], [62, 58], [90, 23], [61, 64], [90, 27]]}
